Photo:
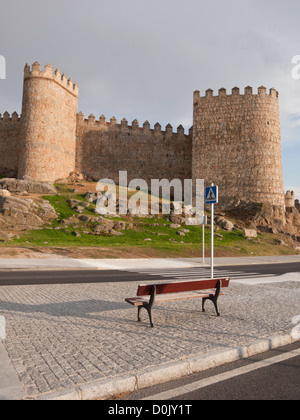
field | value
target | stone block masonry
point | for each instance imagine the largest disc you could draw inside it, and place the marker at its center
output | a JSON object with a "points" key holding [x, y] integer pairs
{"points": [[48, 142], [235, 141], [105, 148], [10, 128], [237, 145]]}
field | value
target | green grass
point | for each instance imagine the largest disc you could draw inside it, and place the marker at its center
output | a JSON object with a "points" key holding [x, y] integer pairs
{"points": [[168, 243], [64, 211], [232, 243]]}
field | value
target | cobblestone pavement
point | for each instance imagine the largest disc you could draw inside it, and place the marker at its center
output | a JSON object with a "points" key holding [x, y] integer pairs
{"points": [[58, 336]]}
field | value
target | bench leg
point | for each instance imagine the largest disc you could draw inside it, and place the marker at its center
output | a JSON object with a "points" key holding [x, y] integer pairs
{"points": [[139, 311], [214, 299], [148, 307], [215, 302], [149, 310], [203, 304]]}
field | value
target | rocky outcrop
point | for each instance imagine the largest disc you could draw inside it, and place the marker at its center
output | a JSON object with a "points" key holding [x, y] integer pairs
{"points": [[292, 221], [224, 223], [30, 186], [249, 233], [24, 214], [14, 203], [261, 215], [267, 218], [47, 212], [5, 193], [92, 197]]}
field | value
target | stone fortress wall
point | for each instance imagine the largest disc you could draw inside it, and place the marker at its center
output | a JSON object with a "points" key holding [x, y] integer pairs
{"points": [[47, 143], [237, 144], [105, 148], [234, 142], [10, 130]]}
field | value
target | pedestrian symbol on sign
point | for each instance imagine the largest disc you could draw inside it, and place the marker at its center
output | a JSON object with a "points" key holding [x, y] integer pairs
{"points": [[211, 195]]}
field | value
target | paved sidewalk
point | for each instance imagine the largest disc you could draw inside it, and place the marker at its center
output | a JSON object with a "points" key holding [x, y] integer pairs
{"points": [[82, 341], [143, 263]]}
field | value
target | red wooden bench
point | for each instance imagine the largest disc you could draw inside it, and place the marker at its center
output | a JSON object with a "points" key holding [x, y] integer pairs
{"points": [[149, 294]]}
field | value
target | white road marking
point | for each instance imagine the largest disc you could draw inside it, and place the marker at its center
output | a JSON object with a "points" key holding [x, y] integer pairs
{"points": [[287, 277], [241, 277], [185, 389]]}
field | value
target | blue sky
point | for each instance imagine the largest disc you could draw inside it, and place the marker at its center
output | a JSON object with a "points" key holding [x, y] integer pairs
{"points": [[142, 59]]}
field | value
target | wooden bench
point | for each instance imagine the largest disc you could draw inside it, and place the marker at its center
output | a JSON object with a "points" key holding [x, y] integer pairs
{"points": [[149, 294]]}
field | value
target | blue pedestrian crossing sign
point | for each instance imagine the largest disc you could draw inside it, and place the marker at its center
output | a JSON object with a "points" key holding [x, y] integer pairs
{"points": [[212, 195]]}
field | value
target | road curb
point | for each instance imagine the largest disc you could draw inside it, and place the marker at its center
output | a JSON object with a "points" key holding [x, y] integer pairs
{"points": [[69, 264], [109, 388]]}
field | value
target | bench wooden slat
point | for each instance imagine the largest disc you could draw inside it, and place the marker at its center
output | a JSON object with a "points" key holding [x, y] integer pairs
{"points": [[183, 286], [136, 301], [139, 301]]}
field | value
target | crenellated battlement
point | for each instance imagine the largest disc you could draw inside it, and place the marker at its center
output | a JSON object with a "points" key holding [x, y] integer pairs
{"points": [[248, 91], [123, 126], [62, 79], [48, 127], [237, 144], [234, 142], [10, 118], [290, 199]]}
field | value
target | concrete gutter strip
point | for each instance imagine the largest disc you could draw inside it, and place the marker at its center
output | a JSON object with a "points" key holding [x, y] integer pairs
{"points": [[109, 388], [10, 387]]}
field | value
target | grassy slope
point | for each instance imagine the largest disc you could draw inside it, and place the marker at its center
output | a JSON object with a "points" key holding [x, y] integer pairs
{"points": [[132, 241]]}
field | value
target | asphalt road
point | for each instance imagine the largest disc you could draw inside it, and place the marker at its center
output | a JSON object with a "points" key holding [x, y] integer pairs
{"points": [[17, 277], [14, 278], [274, 375]]}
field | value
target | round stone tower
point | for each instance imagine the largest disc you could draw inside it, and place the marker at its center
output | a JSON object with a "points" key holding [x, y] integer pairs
{"points": [[237, 145], [48, 131]]}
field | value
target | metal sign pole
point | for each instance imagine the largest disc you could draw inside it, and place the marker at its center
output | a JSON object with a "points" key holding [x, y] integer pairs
{"points": [[204, 222], [212, 239], [212, 198], [203, 246]]}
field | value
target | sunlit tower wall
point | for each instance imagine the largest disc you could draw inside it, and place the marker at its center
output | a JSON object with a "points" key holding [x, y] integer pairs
{"points": [[48, 125], [237, 145]]}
